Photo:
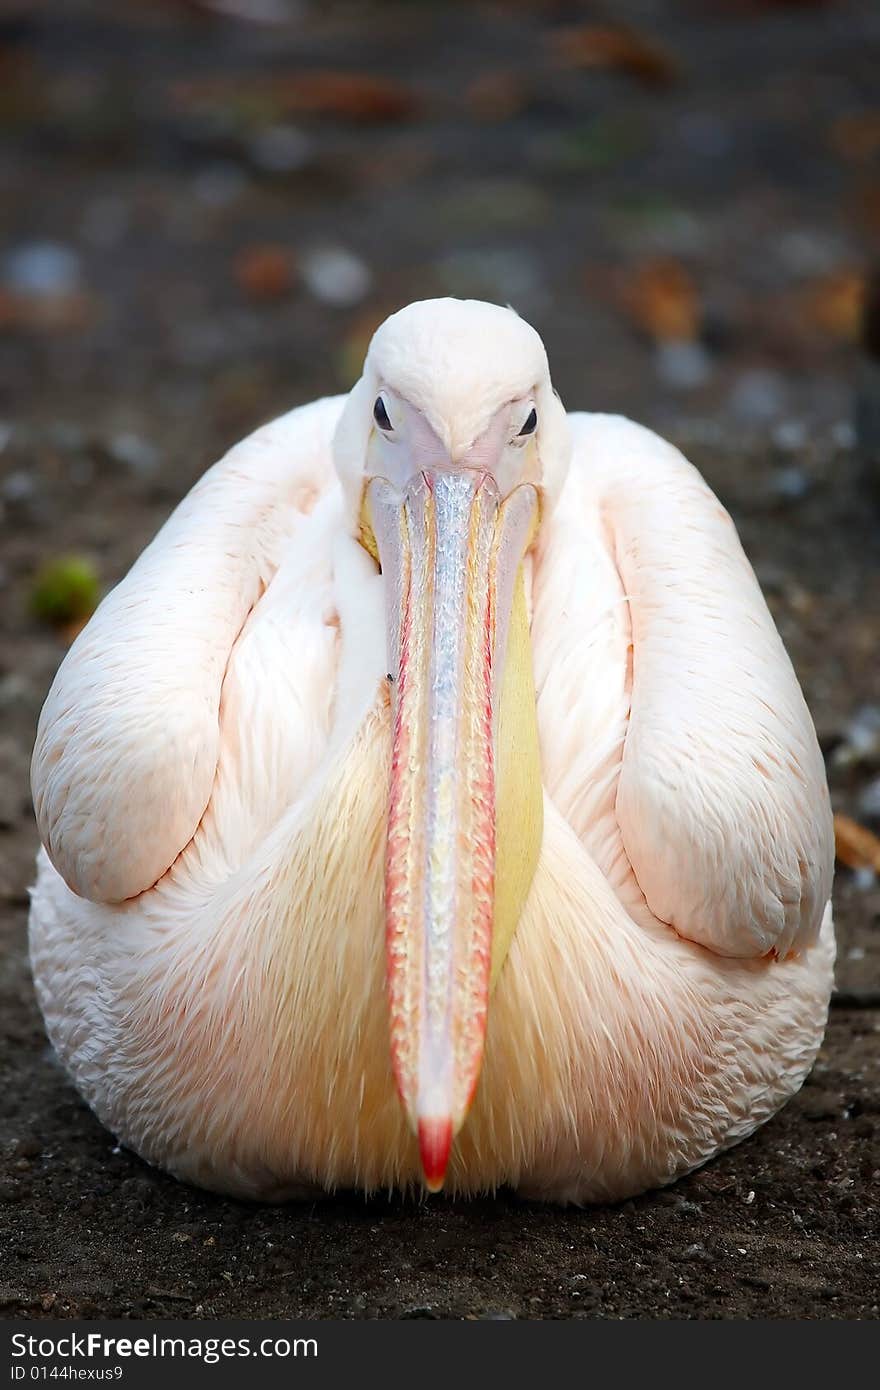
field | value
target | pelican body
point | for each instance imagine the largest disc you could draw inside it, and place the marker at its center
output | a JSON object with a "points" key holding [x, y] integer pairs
{"points": [[434, 802]]}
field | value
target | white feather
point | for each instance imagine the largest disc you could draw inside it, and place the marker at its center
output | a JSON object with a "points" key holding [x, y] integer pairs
{"points": [[210, 777]]}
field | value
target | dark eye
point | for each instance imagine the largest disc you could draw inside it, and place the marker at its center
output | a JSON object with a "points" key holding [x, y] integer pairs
{"points": [[380, 415], [531, 423]]}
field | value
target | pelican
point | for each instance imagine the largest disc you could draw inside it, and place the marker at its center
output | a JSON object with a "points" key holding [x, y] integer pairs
{"points": [[434, 802]]}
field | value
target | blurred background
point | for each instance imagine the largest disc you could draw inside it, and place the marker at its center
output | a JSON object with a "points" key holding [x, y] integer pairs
{"points": [[206, 206]]}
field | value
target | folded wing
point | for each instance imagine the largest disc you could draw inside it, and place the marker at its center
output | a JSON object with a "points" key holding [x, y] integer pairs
{"points": [[714, 781], [128, 741]]}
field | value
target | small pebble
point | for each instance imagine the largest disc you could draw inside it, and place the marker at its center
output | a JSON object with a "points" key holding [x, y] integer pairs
{"points": [[861, 738], [18, 487], [758, 396], [43, 268], [28, 1148], [807, 251], [869, 800], [66, 436], [705, 135], [281, 149], [790, 435], [134, 453], [105, 221], [790, 483], [682, 365], [335, 276], [218, 185], [843, 434]]}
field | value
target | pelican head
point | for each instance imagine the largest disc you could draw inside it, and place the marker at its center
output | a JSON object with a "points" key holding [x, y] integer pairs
{"points": [[451, 448]]}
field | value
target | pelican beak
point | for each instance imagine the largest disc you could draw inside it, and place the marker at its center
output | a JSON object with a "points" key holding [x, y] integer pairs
{"points": [[451, 552]]}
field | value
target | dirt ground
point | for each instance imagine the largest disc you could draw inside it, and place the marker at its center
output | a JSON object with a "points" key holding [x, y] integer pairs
{"points": [[687, 224]]}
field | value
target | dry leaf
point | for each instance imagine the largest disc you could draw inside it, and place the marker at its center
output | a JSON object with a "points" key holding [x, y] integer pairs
{"points": [[618, 49], [357, 96], [856, 136], [834, 304], [265, 272], [46, 313], [866, 208], [662, 300], [497, 96], [856, 846], [68, 632], [352, 96]]}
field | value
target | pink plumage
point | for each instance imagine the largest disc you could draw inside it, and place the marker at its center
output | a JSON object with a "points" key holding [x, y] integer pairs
{"points": [[211, 779]]}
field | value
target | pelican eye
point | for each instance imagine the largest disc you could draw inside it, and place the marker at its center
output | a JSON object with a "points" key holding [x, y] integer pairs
{"points": [[380, 415], [531, 423]]}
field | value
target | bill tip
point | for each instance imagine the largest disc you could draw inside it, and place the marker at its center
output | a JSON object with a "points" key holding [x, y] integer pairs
{"points": [[435, 1145]]}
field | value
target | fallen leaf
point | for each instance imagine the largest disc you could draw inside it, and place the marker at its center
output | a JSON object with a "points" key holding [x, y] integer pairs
{"points": [[662, 300], [354, 96], [866, 208], [855, 845], [358, 96], [615, 48], [45, 313], [856, 136], [24, 87], [412, 159], [68, 632], [497, 96], [65, 593], [834, 304], [265, 272]]}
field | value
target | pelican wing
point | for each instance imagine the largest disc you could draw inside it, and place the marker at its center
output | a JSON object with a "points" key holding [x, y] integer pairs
{"points": [[129, 738], [698, 771]]}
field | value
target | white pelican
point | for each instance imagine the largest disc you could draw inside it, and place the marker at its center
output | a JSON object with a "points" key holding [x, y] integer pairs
{"points": [[432, 706]]}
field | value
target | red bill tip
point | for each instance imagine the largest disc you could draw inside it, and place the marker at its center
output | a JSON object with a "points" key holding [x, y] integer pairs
{"points": [[435, 1145]]}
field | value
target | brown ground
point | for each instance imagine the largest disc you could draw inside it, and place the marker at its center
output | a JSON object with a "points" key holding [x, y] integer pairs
{"points": [[749, 165]]}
